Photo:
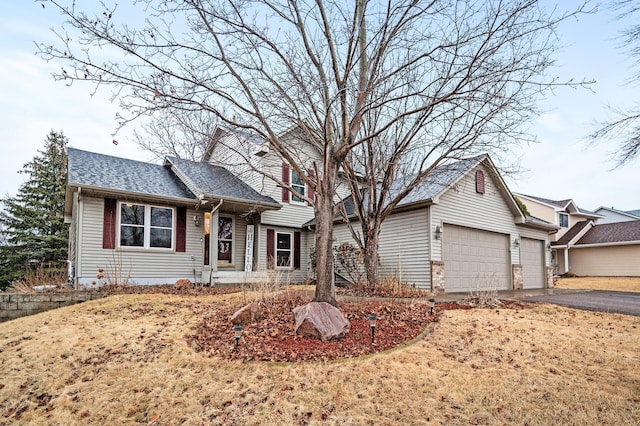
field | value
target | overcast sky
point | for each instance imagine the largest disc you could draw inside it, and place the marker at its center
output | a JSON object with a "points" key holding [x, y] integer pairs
{"points": [[561, 165]]}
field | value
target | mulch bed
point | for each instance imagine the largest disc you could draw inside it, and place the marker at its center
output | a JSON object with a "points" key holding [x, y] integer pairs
{"points": [[272, 338]]}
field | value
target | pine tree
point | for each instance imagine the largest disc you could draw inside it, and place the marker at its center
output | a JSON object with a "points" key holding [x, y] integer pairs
{"points": [[32, 222]]}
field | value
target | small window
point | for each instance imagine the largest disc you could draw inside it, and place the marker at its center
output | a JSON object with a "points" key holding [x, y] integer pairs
{"points": [[298, 185], [283, 249], [146, 226], [225, 239], [564, 220]]}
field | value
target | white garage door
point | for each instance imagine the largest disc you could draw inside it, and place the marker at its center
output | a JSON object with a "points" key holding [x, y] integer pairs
{"points": [[532, 260], [475, 260]]}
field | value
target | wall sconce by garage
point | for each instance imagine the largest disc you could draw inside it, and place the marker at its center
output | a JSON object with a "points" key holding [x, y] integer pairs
{"points": [[438, 232], [548, 246], [372, 323], [197, 221], [516, 242], [237, 331]]}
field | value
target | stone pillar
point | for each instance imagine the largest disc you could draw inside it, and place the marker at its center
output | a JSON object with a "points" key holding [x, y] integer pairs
{"points": [[437, 276], [550, 277], [516, 277]]}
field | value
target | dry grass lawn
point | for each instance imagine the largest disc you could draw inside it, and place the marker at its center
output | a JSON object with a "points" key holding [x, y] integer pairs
{"points": [[600, 283], [124, 360]]}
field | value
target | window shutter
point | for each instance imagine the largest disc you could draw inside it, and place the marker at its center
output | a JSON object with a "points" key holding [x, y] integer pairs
{"points": [[271, 245], [311, 193], [181, 229], [479, 182], [109, 224], [285, 183], [296, 250]]}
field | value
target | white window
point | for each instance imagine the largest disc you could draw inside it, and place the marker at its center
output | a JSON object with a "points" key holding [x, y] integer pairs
{"points": [[564, 220], [298, 185], [146, 226], [225, 240], [284, 249]]}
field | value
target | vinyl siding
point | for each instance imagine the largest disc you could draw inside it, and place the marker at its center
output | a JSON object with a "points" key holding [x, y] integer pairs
{"points": [[611, 261], [462, 206], [403, 246], [140, 266]]}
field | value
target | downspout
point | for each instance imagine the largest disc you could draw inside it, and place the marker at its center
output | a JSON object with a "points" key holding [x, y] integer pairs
{"points": [[213, 211]]}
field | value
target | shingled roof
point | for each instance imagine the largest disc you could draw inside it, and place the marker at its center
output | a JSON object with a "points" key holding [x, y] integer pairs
{"points": [[618, 232], [108, 173], [216, 182], [571, 233]]}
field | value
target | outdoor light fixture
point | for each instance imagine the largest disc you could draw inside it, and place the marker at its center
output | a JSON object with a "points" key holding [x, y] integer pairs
{"points": [[438, 233], [196, 220], [237, 329], [516, 242], [432, 305], [548, 246], [372, 323]]}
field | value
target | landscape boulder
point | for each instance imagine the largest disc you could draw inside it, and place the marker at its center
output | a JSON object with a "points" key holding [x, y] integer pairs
{"points": [[183, 284], [247, 314], [320, 320]]}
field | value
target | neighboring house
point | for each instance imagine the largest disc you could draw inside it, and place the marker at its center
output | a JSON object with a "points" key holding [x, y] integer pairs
{"points": [[563, 213], [461, 230], [611, 215], [609, 249]]}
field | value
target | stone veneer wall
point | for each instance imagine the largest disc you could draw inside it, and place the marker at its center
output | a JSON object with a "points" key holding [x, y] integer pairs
{"points": [[437, 276], [16, 305], [516, 275]]}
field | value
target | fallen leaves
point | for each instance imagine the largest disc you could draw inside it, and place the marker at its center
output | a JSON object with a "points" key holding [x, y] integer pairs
{"points": [[272, 338]]}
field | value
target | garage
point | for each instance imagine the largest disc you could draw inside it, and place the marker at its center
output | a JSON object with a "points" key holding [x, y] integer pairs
{"points": [[533, 263], [475, 260]]}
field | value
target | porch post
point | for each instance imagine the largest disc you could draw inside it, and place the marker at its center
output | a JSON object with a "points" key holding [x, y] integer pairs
{"points": [[213, 241], [566, 259]]}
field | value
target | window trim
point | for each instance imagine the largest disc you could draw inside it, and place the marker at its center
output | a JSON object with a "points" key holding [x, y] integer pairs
{"points": [[291, 249], [560, 216], [147, 227]]}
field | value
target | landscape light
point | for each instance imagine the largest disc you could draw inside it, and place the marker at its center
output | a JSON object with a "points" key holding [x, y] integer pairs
{"points": [[372, 323], [432, 305], [237, 329]]}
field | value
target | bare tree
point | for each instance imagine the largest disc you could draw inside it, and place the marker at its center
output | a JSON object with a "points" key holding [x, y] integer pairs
{"points": [[624, 128], [346, 74]]}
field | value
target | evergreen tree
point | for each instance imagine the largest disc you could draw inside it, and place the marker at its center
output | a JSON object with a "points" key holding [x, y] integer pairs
{"points": [[32, 222]]}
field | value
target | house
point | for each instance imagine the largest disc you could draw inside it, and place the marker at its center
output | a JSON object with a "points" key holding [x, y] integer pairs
{"points": [[563, 213], [611, 215], [607, 250], [604, 242], [232, 218]]}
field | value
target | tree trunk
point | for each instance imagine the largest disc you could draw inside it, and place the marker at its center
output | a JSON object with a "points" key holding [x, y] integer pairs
{"points": [[370, 256], [325, 189]]}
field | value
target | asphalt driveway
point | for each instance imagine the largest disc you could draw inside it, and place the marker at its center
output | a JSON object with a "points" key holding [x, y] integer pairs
{"points": [[620, 302]]}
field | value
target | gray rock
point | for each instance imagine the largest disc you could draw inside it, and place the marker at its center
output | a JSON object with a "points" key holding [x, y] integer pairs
{"points": [[320, 320]]}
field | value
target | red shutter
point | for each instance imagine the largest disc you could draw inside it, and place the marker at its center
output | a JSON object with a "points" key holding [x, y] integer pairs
{"points": [[271, 245], [296, 250], [312, 175], [479, 182], [285, 183], [181, 229], [109, 224]]}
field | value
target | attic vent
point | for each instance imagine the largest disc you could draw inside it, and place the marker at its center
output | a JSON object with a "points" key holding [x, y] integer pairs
{"points": [[480, 182]]}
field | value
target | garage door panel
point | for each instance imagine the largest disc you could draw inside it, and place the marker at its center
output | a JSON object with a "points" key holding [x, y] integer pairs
{"points": [[532, 259], [475, 260]]}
